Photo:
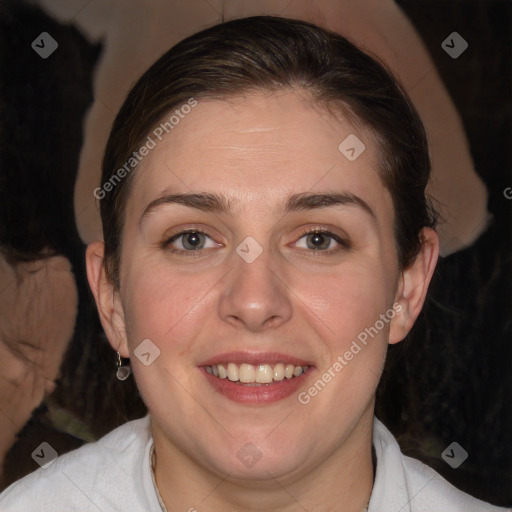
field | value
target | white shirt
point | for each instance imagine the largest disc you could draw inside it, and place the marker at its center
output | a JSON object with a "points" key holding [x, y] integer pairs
{"points": [[114, 474]]}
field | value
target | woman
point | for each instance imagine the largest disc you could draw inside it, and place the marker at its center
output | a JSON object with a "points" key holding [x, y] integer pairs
{"points": [[266, 236]]}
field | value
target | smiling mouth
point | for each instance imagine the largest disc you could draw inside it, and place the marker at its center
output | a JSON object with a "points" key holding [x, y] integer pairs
{"points": [[256, 375]]}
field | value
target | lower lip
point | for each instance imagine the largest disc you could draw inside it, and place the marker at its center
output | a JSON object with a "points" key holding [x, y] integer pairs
{"points": [[257, 395]]}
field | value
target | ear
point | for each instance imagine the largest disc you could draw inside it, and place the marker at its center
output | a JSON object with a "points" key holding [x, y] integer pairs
{"points": [[107, 298], [412, 287]]}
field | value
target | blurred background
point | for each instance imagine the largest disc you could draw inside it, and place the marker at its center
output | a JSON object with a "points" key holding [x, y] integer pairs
{"points": [[451, 381]]}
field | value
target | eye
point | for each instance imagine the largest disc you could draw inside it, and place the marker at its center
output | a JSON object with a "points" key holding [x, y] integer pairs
{"points": [[323, 241], [188, 241]]}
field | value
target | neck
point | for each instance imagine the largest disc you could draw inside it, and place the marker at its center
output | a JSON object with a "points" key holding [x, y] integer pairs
{"points": [[343, 481]]}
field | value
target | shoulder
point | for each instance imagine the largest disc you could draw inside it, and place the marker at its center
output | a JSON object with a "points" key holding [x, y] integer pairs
{"points": [[430, 491], [89, 478], [412, 486]]}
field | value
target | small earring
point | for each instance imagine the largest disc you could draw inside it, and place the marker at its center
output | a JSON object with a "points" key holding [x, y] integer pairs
{"points": [[123, 371]]}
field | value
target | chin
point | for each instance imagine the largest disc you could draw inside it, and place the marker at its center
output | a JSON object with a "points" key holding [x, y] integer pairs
{"points": [[258, 461]]}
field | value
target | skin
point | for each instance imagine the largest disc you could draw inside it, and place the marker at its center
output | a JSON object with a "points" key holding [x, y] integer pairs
{"points": [[136, 33], [38, 307], [258, 150]]}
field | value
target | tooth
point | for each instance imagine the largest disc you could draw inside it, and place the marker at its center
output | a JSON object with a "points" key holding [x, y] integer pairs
{"points": [[288, 371], [279, 371], [222, 371], [298, 371], [264, 374], [247, 373], [232, 372], [261, 374]]}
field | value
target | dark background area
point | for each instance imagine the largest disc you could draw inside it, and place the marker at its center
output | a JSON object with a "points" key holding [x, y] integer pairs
{"points": [[451, 381]]}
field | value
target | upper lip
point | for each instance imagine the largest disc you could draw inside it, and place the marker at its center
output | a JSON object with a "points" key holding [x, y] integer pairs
{"points": [[255, 358]]}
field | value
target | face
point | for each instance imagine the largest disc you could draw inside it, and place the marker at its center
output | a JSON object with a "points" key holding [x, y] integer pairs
{"points": [[270, 282]]}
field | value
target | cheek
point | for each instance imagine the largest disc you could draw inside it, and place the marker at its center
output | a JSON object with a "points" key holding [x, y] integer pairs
{"points": [[165, 306], [347, 301], [345, 310]]}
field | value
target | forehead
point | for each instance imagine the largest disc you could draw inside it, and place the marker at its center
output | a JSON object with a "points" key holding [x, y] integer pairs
{"points": [[258, 149]]}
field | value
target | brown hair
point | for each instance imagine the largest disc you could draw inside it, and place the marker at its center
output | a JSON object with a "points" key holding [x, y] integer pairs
{"points": [[271, 54]]}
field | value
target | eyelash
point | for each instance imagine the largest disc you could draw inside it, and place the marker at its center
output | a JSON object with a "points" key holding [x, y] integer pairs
{"points": [[345, 244], [194, 254]]}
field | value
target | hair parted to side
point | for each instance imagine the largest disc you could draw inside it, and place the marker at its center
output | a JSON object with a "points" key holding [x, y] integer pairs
{"points": [[272, 54]]}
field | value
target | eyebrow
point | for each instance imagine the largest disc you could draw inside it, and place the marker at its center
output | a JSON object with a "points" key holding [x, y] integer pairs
{"points": [[218, 203]]}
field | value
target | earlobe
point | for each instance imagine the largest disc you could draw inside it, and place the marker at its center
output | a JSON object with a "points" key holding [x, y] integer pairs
{"points": [[107, 299], [413, 286]]}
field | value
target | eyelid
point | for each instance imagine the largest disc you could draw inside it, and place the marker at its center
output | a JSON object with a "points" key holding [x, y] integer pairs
{"points": [[184, 231], [176, 233], [341, 240]]}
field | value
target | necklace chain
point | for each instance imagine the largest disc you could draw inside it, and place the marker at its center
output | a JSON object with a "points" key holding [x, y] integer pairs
{"points": [[153, 477]]}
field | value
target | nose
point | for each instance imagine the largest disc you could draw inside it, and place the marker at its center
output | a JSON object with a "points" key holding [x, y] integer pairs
{"points": [[254, 295]]}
